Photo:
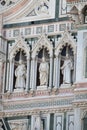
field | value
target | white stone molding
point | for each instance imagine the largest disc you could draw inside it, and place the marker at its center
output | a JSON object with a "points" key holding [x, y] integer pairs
{"points": [[19, 44], [43, 41], [66, 38]]}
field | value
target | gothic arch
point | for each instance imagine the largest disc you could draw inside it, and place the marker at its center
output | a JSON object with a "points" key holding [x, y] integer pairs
{"points": [[42, 42], [20, 44], [74, 10], [66, 38]]}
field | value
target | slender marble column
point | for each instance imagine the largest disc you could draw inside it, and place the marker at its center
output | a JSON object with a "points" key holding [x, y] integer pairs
{"points": [[33, 74], [10, 76], [1, 75], [57, 72], [7, 80], [51, 72], [74, 75], [77, 119], [28, 75]]}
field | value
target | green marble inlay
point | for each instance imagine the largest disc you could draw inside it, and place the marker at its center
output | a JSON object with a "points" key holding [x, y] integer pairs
{"points": [[40, 104], [40, 21], [82, 27]]}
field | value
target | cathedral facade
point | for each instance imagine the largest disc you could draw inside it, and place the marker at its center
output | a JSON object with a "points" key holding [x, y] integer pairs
{"points": [[43, 65]]}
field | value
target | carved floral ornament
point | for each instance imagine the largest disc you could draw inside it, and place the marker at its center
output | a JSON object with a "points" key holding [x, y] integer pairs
{"points": [[66, 39]]}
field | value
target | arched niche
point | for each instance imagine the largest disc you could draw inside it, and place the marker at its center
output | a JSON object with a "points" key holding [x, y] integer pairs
{"points": [[14, 58], [66, 59], [43, 42], [66, 41], [43, 67], [20, 55], [84, 12]]}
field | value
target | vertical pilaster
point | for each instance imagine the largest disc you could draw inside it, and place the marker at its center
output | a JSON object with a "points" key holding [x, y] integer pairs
{"points": [[11, 76], [7, 77], [77, 119], [57, 72], [51, 71], [28, 74], [1, 75], [33, 74], [74, 75]]}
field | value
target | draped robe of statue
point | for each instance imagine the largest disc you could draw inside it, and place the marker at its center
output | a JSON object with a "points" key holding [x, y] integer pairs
{"points": [[20, 74], [43, 71], [66, 70], [1, 126]]}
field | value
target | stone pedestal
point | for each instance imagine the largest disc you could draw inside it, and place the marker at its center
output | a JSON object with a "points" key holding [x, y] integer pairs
{"points": [[19, 90], [65, 85], [41, 87]]}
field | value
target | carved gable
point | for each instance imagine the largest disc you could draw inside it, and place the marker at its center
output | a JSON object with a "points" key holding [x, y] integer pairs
{"points": [[66, 38], [19, 44], [43, 41]]}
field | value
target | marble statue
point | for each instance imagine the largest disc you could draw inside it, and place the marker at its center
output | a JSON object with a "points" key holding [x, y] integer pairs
{"points": [[43, 71], [43, 8], [1, 126], [20, 74], [66, 70]]}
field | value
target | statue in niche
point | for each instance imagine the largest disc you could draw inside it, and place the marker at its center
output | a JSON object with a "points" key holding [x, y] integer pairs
{"points": [[66, 69], [1, 126], [20, 74], [43, 71]]}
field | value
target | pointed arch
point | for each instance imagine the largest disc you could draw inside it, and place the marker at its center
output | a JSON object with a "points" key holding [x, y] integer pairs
{"points": [[42, 42], [20, 43], [66, 39], [74, 10]]}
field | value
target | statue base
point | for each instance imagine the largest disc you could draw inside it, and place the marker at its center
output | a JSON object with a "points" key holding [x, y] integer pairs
{"points": [[19, 90], [41, 87], [65, 85]]}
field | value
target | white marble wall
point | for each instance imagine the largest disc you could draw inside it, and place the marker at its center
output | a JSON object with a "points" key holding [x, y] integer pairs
{"points": [[80, 62]]}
